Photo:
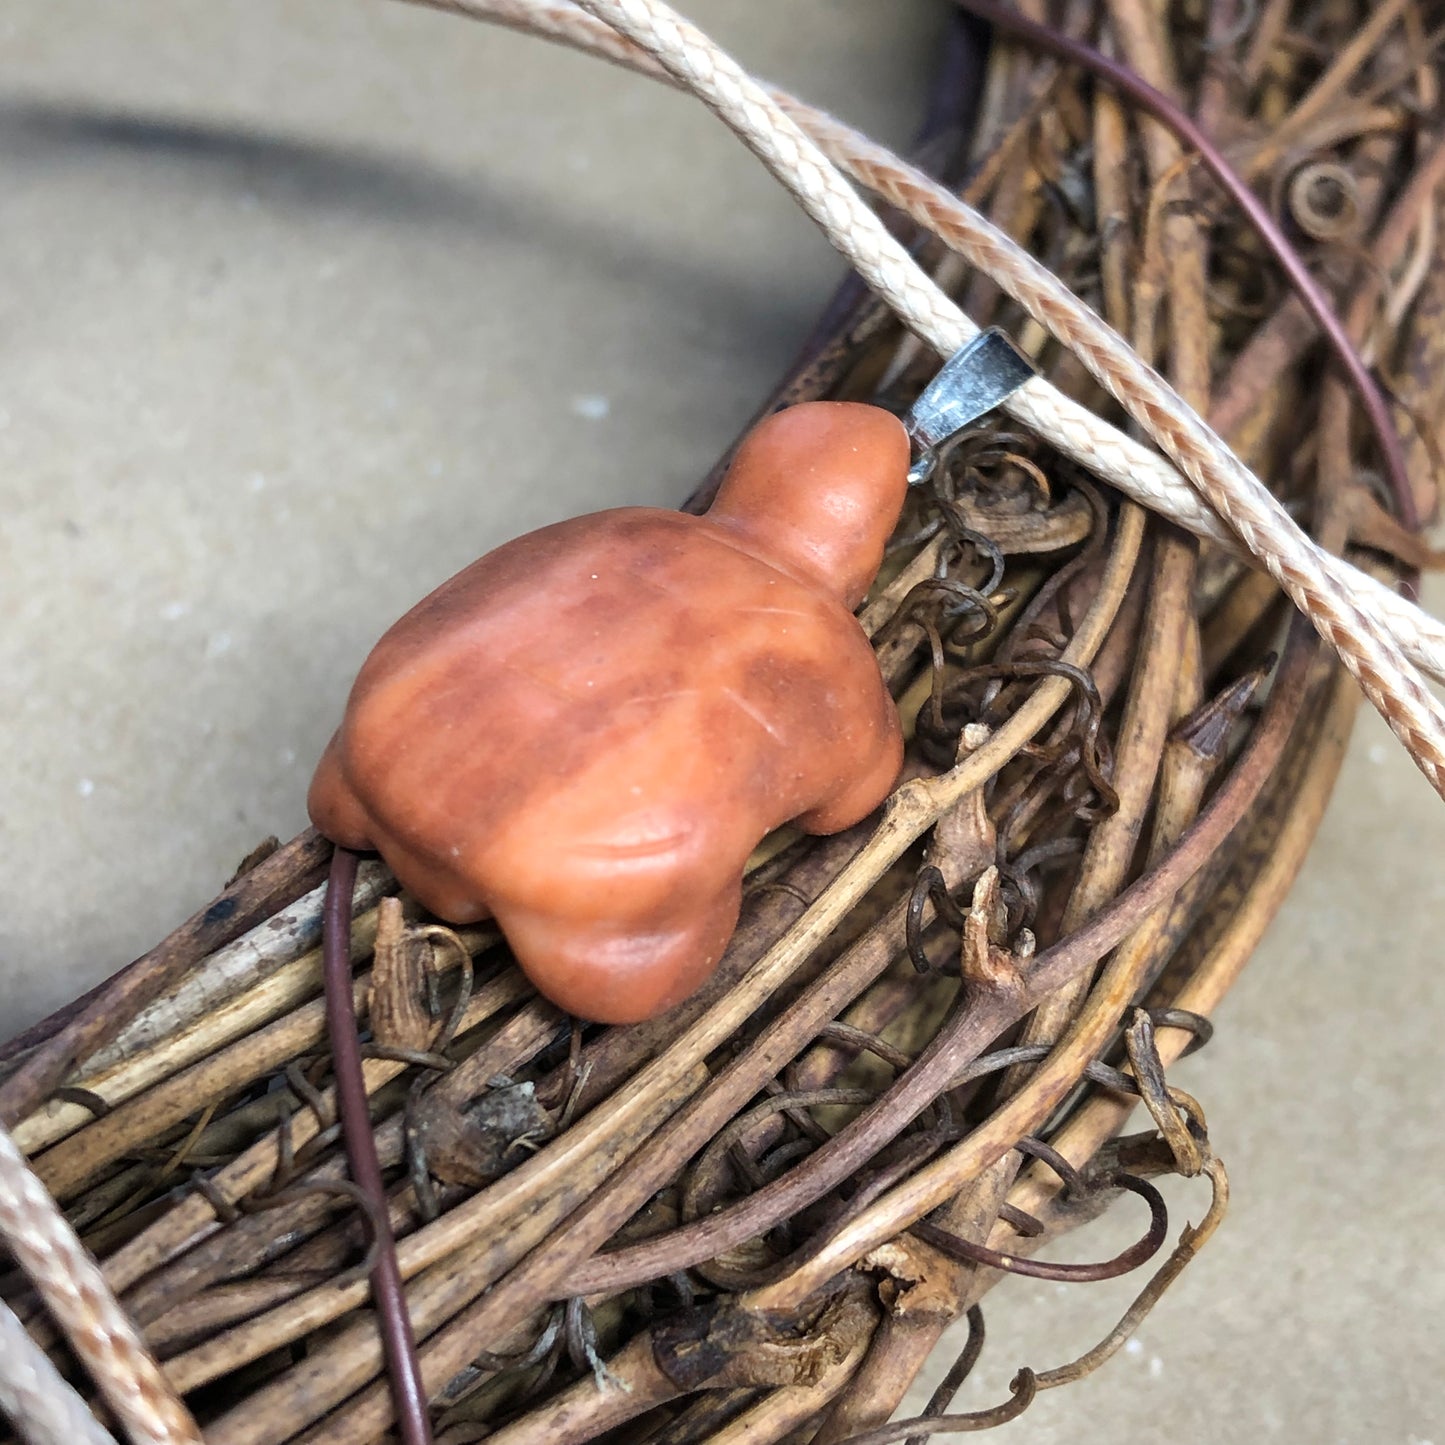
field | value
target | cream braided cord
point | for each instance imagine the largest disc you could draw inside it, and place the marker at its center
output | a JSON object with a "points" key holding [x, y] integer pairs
{"points": [[1131, 468], [1138, 472], [1320, 585], [70, 1283], [34, 1395], [1377, 633]]}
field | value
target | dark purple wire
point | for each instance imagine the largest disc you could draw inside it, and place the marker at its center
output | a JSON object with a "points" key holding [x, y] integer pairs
{"points": [[408, 1393], [1291, 262]]}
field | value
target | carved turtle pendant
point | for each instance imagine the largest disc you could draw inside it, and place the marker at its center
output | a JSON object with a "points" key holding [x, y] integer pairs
{"points": [[585, 733]]}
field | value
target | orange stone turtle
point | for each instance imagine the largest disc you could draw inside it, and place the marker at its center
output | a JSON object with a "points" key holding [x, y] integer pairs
{"points": [[585, 733]]}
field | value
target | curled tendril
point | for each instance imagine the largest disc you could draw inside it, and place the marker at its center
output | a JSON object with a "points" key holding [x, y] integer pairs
{"points": [[1022, 1390], [340, 1188], [928, 887], [704, 1179], [966, 540], [860, 1040], [1017, 875], [1201, 1028], [1079, 746], [958, 1371], [1131, 1258]]}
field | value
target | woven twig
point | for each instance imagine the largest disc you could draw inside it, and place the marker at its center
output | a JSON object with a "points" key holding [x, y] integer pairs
{"points": [[755, 1217]]}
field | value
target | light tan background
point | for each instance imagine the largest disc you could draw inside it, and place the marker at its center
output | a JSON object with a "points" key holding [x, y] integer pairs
{"points": [[304, 305]]}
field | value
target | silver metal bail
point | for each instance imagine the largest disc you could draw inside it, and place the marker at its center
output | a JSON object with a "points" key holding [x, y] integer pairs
{"points": [[973, 381]]}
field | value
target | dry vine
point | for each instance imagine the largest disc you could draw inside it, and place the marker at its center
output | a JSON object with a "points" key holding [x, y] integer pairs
{"points": [[753, 1218]]}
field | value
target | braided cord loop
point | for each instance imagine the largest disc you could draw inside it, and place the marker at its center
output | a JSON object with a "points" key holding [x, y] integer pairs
{"points": [[1350, 612], [75, 1292]]}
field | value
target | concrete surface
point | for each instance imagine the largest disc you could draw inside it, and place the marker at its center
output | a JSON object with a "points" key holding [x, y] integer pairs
{"points": [[304, 305]]}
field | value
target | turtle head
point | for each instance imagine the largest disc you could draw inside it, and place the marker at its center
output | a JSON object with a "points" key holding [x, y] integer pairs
{"points": [[819, 487]]}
